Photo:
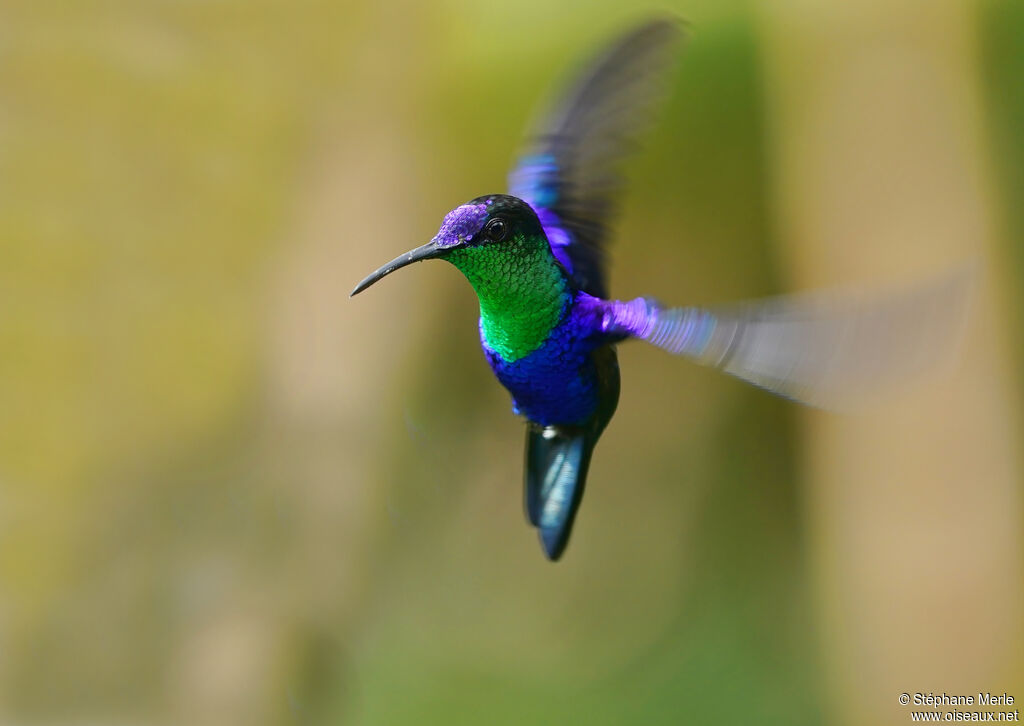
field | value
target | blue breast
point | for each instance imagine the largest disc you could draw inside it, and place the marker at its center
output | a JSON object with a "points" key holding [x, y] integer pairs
{"points": [[558, 382]]}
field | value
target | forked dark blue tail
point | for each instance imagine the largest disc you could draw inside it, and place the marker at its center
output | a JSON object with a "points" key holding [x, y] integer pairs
{"points": [[558, 456], [556, 471]]}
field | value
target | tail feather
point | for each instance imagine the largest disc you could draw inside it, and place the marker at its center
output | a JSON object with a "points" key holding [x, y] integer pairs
{"points": [[556, 470], [558, 456]]}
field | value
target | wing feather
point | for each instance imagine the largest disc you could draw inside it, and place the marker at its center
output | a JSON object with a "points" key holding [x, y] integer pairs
{"points": [[568, 171], [826, 350]]}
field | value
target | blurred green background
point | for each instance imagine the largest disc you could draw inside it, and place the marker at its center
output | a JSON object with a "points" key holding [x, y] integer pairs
{"points": [[231, 495]]}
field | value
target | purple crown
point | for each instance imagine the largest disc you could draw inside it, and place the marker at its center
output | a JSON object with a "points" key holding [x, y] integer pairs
{"points": [[461, 224]]}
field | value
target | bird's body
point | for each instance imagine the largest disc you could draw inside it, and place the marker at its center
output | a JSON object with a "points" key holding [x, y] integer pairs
{"points": [[544, 339], [563, 380], [535, 259], [538, 332]]}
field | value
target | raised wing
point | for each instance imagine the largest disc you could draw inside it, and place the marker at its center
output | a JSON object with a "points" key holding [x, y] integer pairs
{"points": [[568, 171], [829, 351]]}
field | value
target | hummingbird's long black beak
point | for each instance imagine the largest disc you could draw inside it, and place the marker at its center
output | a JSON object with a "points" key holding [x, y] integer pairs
{"points": [[425, 252]]}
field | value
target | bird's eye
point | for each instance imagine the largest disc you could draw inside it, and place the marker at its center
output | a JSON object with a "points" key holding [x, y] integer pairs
{"points": [[496, 230]]}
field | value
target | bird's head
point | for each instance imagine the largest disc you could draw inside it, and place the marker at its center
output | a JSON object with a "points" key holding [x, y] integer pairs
{"points": [[480, 234]]}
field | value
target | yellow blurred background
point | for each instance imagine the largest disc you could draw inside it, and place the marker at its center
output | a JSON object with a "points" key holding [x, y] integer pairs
{"points": [[231, 495]]}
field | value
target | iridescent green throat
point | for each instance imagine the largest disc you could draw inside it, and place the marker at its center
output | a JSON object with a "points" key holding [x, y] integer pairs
{"points": [[522, 291]]}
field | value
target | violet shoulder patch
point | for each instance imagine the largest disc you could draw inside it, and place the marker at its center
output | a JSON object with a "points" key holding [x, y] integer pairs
{"points": [[460, 225]]}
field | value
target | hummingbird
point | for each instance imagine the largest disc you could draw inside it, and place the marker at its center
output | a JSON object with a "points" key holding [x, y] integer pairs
{"points": [[536, 258]]}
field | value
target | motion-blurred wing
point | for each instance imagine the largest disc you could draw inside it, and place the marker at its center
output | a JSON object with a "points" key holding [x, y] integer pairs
{"points": [[822, 350], [568, 171]]}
